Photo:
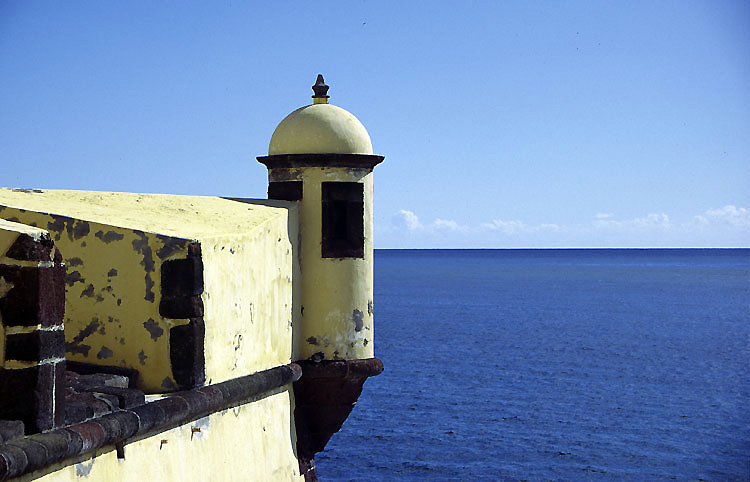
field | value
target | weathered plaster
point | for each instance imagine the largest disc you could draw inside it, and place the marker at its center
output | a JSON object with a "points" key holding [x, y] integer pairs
{"points": [[248, 298], [336, 293], [102, 309], [115, 245]]}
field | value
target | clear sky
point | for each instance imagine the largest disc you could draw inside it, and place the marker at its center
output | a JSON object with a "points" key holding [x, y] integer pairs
{"points": [[504, 124]]}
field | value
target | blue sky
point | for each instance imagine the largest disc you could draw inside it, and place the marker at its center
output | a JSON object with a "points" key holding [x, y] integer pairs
{"points": [[504, 124]]}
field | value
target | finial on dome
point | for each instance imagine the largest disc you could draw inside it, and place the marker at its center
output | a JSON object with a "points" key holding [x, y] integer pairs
{"points": [[321, 89]]}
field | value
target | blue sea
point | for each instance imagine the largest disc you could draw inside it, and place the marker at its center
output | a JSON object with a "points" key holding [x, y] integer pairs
{"points": [[562, 365]]}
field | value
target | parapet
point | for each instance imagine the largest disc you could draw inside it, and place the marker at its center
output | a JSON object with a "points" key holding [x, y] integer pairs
{"points": [[168, 285]]}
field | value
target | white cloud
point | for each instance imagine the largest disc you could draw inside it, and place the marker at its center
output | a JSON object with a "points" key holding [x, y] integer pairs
{"points": [[653, 220], [448, 224], [547, 227], [507, 227], [701, 220], [727, 226], [731, 215], [517, 227], [406, 219]]}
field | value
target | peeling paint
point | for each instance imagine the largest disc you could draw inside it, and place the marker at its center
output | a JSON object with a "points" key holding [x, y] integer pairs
{"points": [[89, 291], [84, 469], [57, 225], [109, 236], [73, 277], [104, 353], [80, 349], [369, 308], [28, 191], [312, 340], [141, 246], [153, 328], [81, 229], [170, 247], [75, 345], [149, 288], [168, 384], [259, 298], [336, 292], [64, 223], [358, 320]]}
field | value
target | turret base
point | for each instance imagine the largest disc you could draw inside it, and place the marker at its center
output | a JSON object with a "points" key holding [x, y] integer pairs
{"points": [[324, 397]]}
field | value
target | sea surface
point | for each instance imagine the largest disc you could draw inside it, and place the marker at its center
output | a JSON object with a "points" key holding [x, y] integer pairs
{"points": [[569, 365]]}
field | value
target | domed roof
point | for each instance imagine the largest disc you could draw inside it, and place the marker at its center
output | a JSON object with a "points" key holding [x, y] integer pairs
{"points": [[320, 129]]}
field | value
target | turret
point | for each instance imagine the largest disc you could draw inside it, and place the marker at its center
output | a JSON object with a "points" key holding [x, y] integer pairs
{"points": [[321, 156]]}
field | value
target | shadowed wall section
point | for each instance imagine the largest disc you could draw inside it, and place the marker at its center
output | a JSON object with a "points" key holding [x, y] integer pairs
{"points": [[32, 349]]}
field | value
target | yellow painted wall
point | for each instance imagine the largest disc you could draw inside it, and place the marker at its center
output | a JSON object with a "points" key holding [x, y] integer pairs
{"points": [[112, 295], [170, 215], [8, 235], [252, 442], [248, 298], [336, 294], [114, 245], [251, 302]]}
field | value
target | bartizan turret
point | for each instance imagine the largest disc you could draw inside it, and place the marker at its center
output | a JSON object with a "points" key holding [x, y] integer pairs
{"points": [[321, 156]]}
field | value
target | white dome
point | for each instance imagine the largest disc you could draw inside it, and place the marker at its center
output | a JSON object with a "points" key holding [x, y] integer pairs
{"points": [[320, 129]]}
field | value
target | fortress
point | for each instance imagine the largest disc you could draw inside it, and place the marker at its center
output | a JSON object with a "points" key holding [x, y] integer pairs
{"points": [[164, 337]]}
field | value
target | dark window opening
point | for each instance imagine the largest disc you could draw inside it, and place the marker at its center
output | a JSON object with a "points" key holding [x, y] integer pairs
{"points": [[343, 220], [285, 190]]}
